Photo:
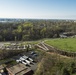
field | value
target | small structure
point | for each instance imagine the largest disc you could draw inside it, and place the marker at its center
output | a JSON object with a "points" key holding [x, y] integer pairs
{"points": [[19, 69], [1, 68], [63, 36], [69, 34]]}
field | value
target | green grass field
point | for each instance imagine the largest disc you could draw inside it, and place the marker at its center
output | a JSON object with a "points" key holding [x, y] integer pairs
{"points": [[67, 44]]}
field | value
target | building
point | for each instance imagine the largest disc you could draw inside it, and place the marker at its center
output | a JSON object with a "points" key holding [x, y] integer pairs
{"points": [[19, 69]]}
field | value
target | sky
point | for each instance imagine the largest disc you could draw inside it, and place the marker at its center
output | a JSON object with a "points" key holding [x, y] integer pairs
{"points": [[38, 9]]}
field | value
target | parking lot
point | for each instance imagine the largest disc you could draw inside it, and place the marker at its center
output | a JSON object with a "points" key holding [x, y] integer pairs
{"points": [[29, 59]]}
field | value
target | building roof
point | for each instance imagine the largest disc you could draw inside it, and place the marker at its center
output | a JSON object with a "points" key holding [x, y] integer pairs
{"points": [[18, 69]]}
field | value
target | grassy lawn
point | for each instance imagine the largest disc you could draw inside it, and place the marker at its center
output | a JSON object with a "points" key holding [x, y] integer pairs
{"points": [[67, 44]]}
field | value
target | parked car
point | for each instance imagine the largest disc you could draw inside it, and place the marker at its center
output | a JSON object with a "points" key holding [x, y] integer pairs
{"points": [[24, 63], [28, 62], [18, 61], [25, 57], [31, 59], [21, 58], [32, 52]]}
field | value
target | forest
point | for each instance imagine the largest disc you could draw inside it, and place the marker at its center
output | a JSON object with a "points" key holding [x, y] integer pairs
{"points": [[35, 29]]}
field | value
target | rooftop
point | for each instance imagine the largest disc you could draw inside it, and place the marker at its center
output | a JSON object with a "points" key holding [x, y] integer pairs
{"points": [[18, 69]]}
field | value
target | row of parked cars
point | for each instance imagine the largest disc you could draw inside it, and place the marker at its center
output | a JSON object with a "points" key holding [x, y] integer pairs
{"points": [[25, 60]]}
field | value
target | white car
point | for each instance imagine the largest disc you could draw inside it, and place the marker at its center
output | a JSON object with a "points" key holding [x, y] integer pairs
{"points": [[21, 58], [27, 61], [31, 59], [24, 63], [18, 61], [25, 57]]}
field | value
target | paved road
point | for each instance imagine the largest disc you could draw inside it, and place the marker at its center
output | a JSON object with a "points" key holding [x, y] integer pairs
{"points": [[33, 66]]}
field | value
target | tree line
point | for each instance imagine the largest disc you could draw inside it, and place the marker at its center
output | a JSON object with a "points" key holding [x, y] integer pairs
{"points": [[35, 29]]}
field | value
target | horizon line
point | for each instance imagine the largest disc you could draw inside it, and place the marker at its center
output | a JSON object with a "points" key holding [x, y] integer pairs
{"points": [[40, 18]]}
